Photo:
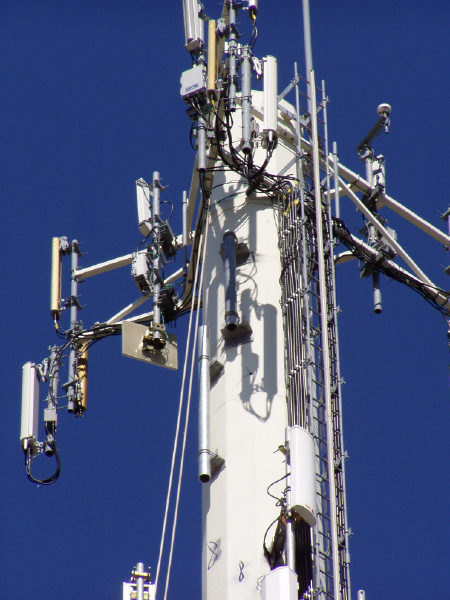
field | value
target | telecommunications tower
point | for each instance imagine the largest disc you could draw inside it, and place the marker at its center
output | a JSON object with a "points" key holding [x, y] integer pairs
{"points": [[262, 222]]}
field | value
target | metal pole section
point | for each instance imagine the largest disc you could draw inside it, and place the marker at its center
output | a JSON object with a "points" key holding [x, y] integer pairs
{"points": [[229, 262], [324, 335], [73, 322], [204, 464], [246, 83], [308, 48], [185, 233], [373, 236], [140, 582], [232, 49], [361, 595], [156, 250], [201, 148], [337, 208]]}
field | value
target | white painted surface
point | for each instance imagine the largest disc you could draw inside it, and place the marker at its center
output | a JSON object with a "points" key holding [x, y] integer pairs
{"points": [[248, 401]]}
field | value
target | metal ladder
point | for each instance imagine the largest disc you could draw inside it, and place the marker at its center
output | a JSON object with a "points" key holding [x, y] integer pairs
{"points": [[304, 368]]}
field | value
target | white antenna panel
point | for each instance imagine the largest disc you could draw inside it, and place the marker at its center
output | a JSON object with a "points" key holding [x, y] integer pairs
{"points": [[193, 25], [30, 408], [303, 474], [143, 204]]}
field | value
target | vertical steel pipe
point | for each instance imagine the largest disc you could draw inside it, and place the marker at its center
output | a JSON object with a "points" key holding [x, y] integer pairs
{"points": [[73, 322], [337, 208], [201, 145], [204, 464], [185, 233], [232, 45], [373, 235], [156, 250], [229, 261], [308, 48], [140, 581]]}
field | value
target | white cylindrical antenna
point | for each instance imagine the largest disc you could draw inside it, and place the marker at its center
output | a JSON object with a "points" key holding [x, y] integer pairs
{"points": [[55, 308], [193, 25], [212, 47], [204, 463], [270, 97], [229, 260], [337, 209], [246, 83], [303, 474], [361, 595], [232, 54], [252, 9], [30, 407]]}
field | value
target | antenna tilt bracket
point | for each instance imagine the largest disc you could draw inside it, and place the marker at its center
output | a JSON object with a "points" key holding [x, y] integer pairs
{"points": [[149, 342]]}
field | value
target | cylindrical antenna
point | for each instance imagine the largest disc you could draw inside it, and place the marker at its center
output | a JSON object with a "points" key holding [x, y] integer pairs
{"points": [[156, 251], [204, 463], [73, 322], [337, 208], [377, 306], [212, 46], [232, 47], [185, 233], [55, 309], [140, 581], [229, 260], [82, 373], [361, 595], [270, 96], [252, 9], [246, 83]]}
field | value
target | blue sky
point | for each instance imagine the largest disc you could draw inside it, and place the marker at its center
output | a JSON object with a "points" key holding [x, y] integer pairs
{"points": [[90, 103]]}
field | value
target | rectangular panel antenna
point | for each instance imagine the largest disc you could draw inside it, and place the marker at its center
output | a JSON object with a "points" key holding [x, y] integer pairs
{"points": [[30, 406], [143, 206]]}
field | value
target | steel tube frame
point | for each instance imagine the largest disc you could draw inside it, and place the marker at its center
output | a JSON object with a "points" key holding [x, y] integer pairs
{"points": [[204, 463]]}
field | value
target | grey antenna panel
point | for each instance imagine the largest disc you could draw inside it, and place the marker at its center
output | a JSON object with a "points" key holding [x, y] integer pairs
{"points": [[132, 334]]}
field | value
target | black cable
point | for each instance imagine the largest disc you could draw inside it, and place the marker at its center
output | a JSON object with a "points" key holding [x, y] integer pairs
{"points": [[55, 475], [277, 481]]}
